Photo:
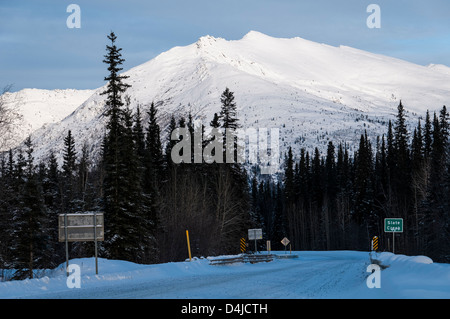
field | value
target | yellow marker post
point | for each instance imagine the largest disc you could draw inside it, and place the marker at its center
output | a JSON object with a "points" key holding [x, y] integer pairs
{"points": [[375, 243], [189, 245], [243, 245]]}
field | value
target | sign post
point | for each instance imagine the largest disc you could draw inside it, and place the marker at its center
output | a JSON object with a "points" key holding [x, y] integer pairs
{"points": [[393, 225], [95, 241], [81, 227], [67, 244], [255, 234], [285, 242]]}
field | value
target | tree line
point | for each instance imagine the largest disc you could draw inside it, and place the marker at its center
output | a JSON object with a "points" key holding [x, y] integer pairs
{"points": [[340, 200]]}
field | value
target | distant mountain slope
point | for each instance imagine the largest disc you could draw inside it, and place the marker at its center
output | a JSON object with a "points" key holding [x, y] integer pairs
{"points": [[312, 92], [39, 107]]}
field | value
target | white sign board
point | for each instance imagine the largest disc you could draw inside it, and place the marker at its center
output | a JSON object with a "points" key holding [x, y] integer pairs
{"points": [[285, 241], [81, 227], [254, 234]]}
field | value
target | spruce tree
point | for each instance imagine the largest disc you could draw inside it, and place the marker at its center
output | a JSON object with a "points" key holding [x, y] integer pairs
{"points": [[68, 174], [330, 170], [428, 138], [153, 157], [417, 149], [8, 200], [120, 235], [401, 147], [391, 154], [30, 223], [230, 180], [435, 206], [228, 112], [363, 184], [289, 186], [139, 136], [69, 155], [215, 123]]}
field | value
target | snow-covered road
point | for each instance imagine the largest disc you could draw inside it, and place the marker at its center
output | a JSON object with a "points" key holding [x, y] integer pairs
{"points": [[336, 274]]}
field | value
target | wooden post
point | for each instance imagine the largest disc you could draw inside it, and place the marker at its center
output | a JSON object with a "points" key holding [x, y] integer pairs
{"points": [[189, 245]]}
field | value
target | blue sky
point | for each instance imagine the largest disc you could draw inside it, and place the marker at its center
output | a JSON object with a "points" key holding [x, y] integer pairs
{"points": [[38, 50]]}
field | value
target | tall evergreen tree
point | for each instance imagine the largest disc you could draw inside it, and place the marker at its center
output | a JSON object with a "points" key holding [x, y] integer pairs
{"points": [[230, 182], [30, 222], [69, 155], [69, 172], [289, 185], [417, 149], [428, 138], [330, 170], [153, 168], [401, 145], [153, 157], [139, 135], [121, 237]]}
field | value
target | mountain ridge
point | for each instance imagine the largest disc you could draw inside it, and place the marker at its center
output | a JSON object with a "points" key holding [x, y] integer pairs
{"points": [[312, 92]]}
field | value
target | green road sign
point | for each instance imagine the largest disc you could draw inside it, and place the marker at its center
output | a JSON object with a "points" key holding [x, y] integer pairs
{"points": [[393, 225]]}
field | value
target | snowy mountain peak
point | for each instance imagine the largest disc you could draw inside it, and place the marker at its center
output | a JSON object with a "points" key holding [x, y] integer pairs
{"points": [[256, 35], [207, 40]]}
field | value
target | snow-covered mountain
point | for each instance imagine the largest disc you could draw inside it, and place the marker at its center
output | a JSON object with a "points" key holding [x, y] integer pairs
{"points": [[312, 92], [39, 107]]}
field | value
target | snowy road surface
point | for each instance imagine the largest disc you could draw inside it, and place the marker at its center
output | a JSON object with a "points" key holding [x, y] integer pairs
{"points": [[327, 274]]}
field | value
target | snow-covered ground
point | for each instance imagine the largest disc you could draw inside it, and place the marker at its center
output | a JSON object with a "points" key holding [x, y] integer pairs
{"points": [[314, 274]]}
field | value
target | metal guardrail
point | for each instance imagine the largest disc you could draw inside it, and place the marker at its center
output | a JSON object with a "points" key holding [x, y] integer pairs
{"points": [[242, 259], [258, 258], [290, 256], [223, 261]]}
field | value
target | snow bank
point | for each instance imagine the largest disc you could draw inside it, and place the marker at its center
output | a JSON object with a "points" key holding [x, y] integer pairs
{"points": [[414, 277], [314, 274], [388, 258]]}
